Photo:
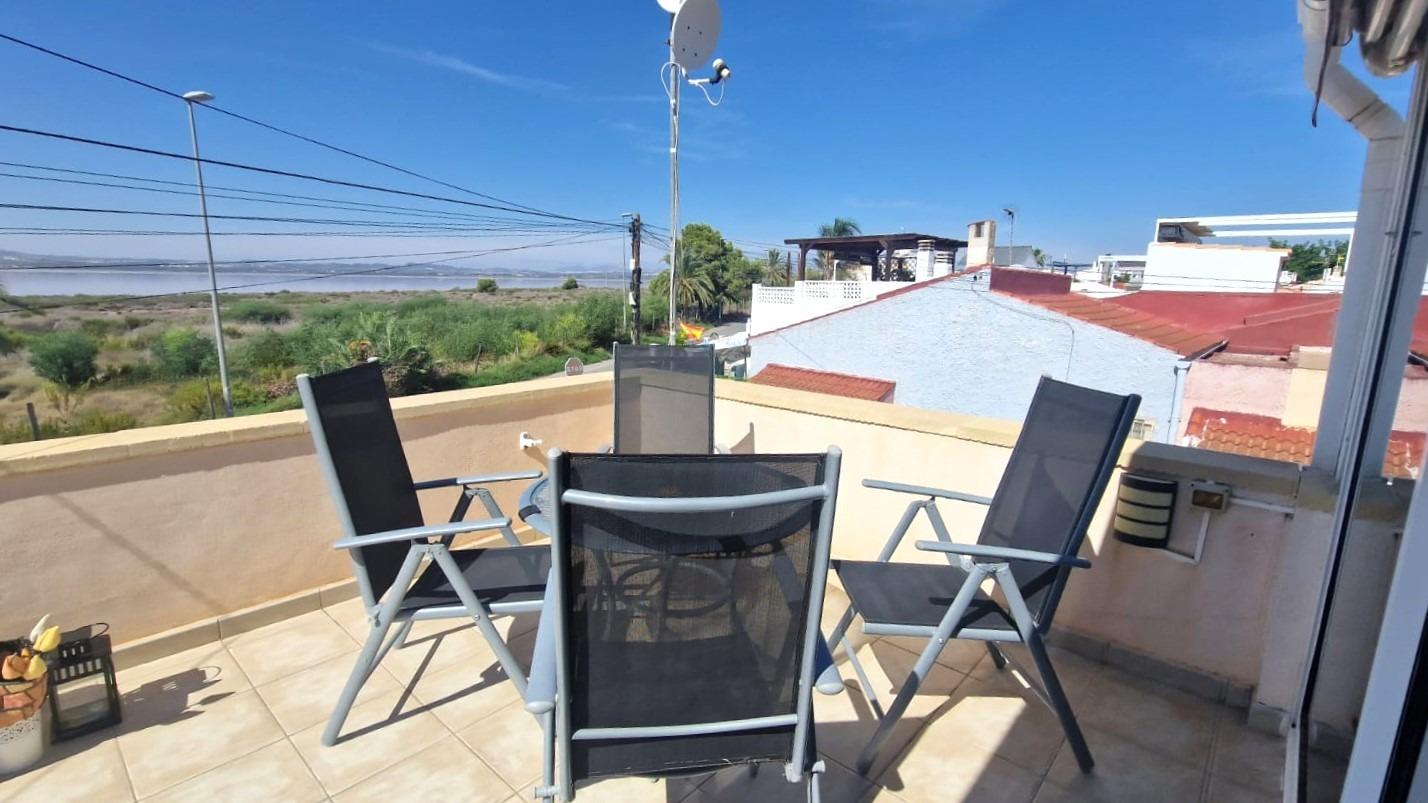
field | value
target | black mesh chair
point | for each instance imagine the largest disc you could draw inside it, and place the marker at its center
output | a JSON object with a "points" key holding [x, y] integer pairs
{"points": [[680, 633], [664, 399], [405, 569], [1033, 529]]}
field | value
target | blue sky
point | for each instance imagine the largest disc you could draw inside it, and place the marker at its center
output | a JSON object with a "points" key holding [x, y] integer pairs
{"points": [[919, 115]]}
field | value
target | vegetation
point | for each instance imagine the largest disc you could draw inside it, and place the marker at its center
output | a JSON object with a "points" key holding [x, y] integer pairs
{"points": [[486, 285], [259, 311], [713, 275], [181, 353], [840, 227], [569, 283], [1310, 261], [10, 340], [65, 358]]}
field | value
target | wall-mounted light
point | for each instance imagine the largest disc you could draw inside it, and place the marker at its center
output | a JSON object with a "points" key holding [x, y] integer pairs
{"points": [[1144, 510]]}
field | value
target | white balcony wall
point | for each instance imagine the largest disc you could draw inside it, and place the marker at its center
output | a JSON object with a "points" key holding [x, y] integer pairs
{"points": [[777, 307]]}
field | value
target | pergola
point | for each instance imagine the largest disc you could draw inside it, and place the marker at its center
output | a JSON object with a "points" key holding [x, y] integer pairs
{"points": [[866, 248]]}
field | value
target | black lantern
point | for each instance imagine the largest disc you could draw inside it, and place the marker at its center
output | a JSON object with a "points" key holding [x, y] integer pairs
{"points": [[84, 695], [1144, 508]]}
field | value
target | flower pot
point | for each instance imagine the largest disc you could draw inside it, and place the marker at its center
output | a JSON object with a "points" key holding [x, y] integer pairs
{"points": [[22, 731]]}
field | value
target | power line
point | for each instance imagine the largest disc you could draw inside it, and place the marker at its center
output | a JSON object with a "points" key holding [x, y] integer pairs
{"points": [[291, 174], [435, 227], [460, 234], [350, 206], [96, 265], [260, 123]]}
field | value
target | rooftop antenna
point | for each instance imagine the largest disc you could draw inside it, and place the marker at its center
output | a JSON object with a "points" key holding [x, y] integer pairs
{"points": [[1010, 212], [693, 33]]}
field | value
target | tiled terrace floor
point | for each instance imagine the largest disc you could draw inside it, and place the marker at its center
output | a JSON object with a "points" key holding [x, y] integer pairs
{"points": [[241, 720]]}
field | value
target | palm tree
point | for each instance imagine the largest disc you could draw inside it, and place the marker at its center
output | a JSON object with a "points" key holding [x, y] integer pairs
{"points": [[776, 268], [1040, 257], [693, 288], [840, 227]]}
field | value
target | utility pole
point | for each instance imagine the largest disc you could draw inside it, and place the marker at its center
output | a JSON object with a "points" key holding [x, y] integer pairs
{"points": [[635, 228], [191, 98]]}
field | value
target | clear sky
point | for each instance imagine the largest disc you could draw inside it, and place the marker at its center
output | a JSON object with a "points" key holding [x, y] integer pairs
{"points": [[1092, 119]]}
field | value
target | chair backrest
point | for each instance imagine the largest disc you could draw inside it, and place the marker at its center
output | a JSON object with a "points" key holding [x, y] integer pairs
{"points": [[700, 613], [1058, 471], [366, 469], [664, 399]]}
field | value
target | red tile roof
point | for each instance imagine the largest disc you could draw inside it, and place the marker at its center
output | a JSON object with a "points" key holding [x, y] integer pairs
{"points": [[832, 383], [1266, 436], [1187, 342]]}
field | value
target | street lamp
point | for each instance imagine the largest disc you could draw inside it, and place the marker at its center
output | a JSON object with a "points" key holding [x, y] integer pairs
{"points": [[1011, 234], [191, 98]]}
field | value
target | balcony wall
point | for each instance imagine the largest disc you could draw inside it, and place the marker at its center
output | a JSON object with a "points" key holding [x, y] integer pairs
{"points": [[163, 527], [150, 529]]}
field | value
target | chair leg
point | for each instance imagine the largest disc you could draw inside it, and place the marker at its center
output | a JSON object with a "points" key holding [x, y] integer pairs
{"points": [[996, 653], [815, 793], [366, 662], [1059, 704], [889, 720], [514, 671]]}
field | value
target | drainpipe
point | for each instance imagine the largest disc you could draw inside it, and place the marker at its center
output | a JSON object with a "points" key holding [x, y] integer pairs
{"points": [[1362, 302], [1177, 400]]}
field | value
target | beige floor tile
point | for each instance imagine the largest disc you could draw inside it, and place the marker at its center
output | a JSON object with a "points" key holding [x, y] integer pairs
{"points": [[289, 646], [958, 654], [85, 770], [838, 785], [846, 722], [445, 771], [630, 790], [999, 716], [958, 771], [1124, 771], [1225, 791], [275, 772], [376, 736], [179, 686], [1174, 723], [510, 741], [161, 755], [1247, 757], [307, 697], [437, 645], [461, 695]]}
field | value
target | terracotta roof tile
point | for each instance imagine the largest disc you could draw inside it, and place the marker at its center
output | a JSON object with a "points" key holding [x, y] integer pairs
{"points": [[1166, 334], [1265, 436], [830, 382]]}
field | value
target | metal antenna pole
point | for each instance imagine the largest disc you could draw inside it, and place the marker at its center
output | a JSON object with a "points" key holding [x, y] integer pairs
{"points": [[212, 272], [676, 77], [636, 229]]}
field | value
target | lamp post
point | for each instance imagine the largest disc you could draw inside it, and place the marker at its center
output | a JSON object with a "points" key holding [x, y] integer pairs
{"points": [[1011, 234], [191, 98]]}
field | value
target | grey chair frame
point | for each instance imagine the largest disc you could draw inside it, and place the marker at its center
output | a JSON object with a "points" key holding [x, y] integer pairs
{"points": [[550, 669], [980, 562], [707, 349], [428, 543]]}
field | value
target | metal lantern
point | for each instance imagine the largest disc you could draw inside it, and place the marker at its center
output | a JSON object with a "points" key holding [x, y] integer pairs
{"points": [[1144, 507], [84, 695]]}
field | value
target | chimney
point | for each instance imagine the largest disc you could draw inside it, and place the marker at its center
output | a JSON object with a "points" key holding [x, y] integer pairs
{"points": [[943, 263], [924, 259], [981, 243]]}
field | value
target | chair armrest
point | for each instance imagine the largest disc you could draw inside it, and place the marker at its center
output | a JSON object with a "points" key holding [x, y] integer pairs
{"points": [[826, 678], [540, 691], [1004, 553], [477, 479], [428, 531], [922, 490]]}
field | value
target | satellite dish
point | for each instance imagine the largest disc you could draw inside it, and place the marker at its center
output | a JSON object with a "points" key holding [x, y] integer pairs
{"points": [[695, 33], [672, 6]]}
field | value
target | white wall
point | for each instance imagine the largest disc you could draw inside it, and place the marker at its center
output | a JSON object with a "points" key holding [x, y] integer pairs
{"points": [[775, 307], [952, 345], [1226, 268]]}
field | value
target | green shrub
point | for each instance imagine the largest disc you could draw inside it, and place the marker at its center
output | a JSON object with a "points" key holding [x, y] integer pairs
{"points": [[422, 303], [484, 336], [10, 340], [180, 353], [486, 286], [65, 358], [569, 283], [266, 350], [517, 370], [259, 311], [128, 373], [566, 332], [90, 423], [603, 315], [190, 401], [132, 322], [99, 328], [528, 345]]}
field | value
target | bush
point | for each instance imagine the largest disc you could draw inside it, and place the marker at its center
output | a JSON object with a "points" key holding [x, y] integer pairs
{"points": [[65, 358], [259, 311], [602, 315], [128, 373], [566, 332], [266, 350], [190, 400], [99, 328], [10, 340], [528, 345], [180, 353], [486, 286], [90, 423], [132, 322], [569, 283]]}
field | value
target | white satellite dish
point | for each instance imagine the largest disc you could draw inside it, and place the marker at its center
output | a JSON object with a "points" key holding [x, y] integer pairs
{"points": [[695, 33], [672, 6]]}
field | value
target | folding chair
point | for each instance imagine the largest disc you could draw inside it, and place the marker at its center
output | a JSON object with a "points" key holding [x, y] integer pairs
{"points": [[385, 536], [680, 632], [664, 399], [1033, 528]]}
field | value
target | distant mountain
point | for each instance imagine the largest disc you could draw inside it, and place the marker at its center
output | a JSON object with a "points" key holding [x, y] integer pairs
{"points": [[17, 260]]}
